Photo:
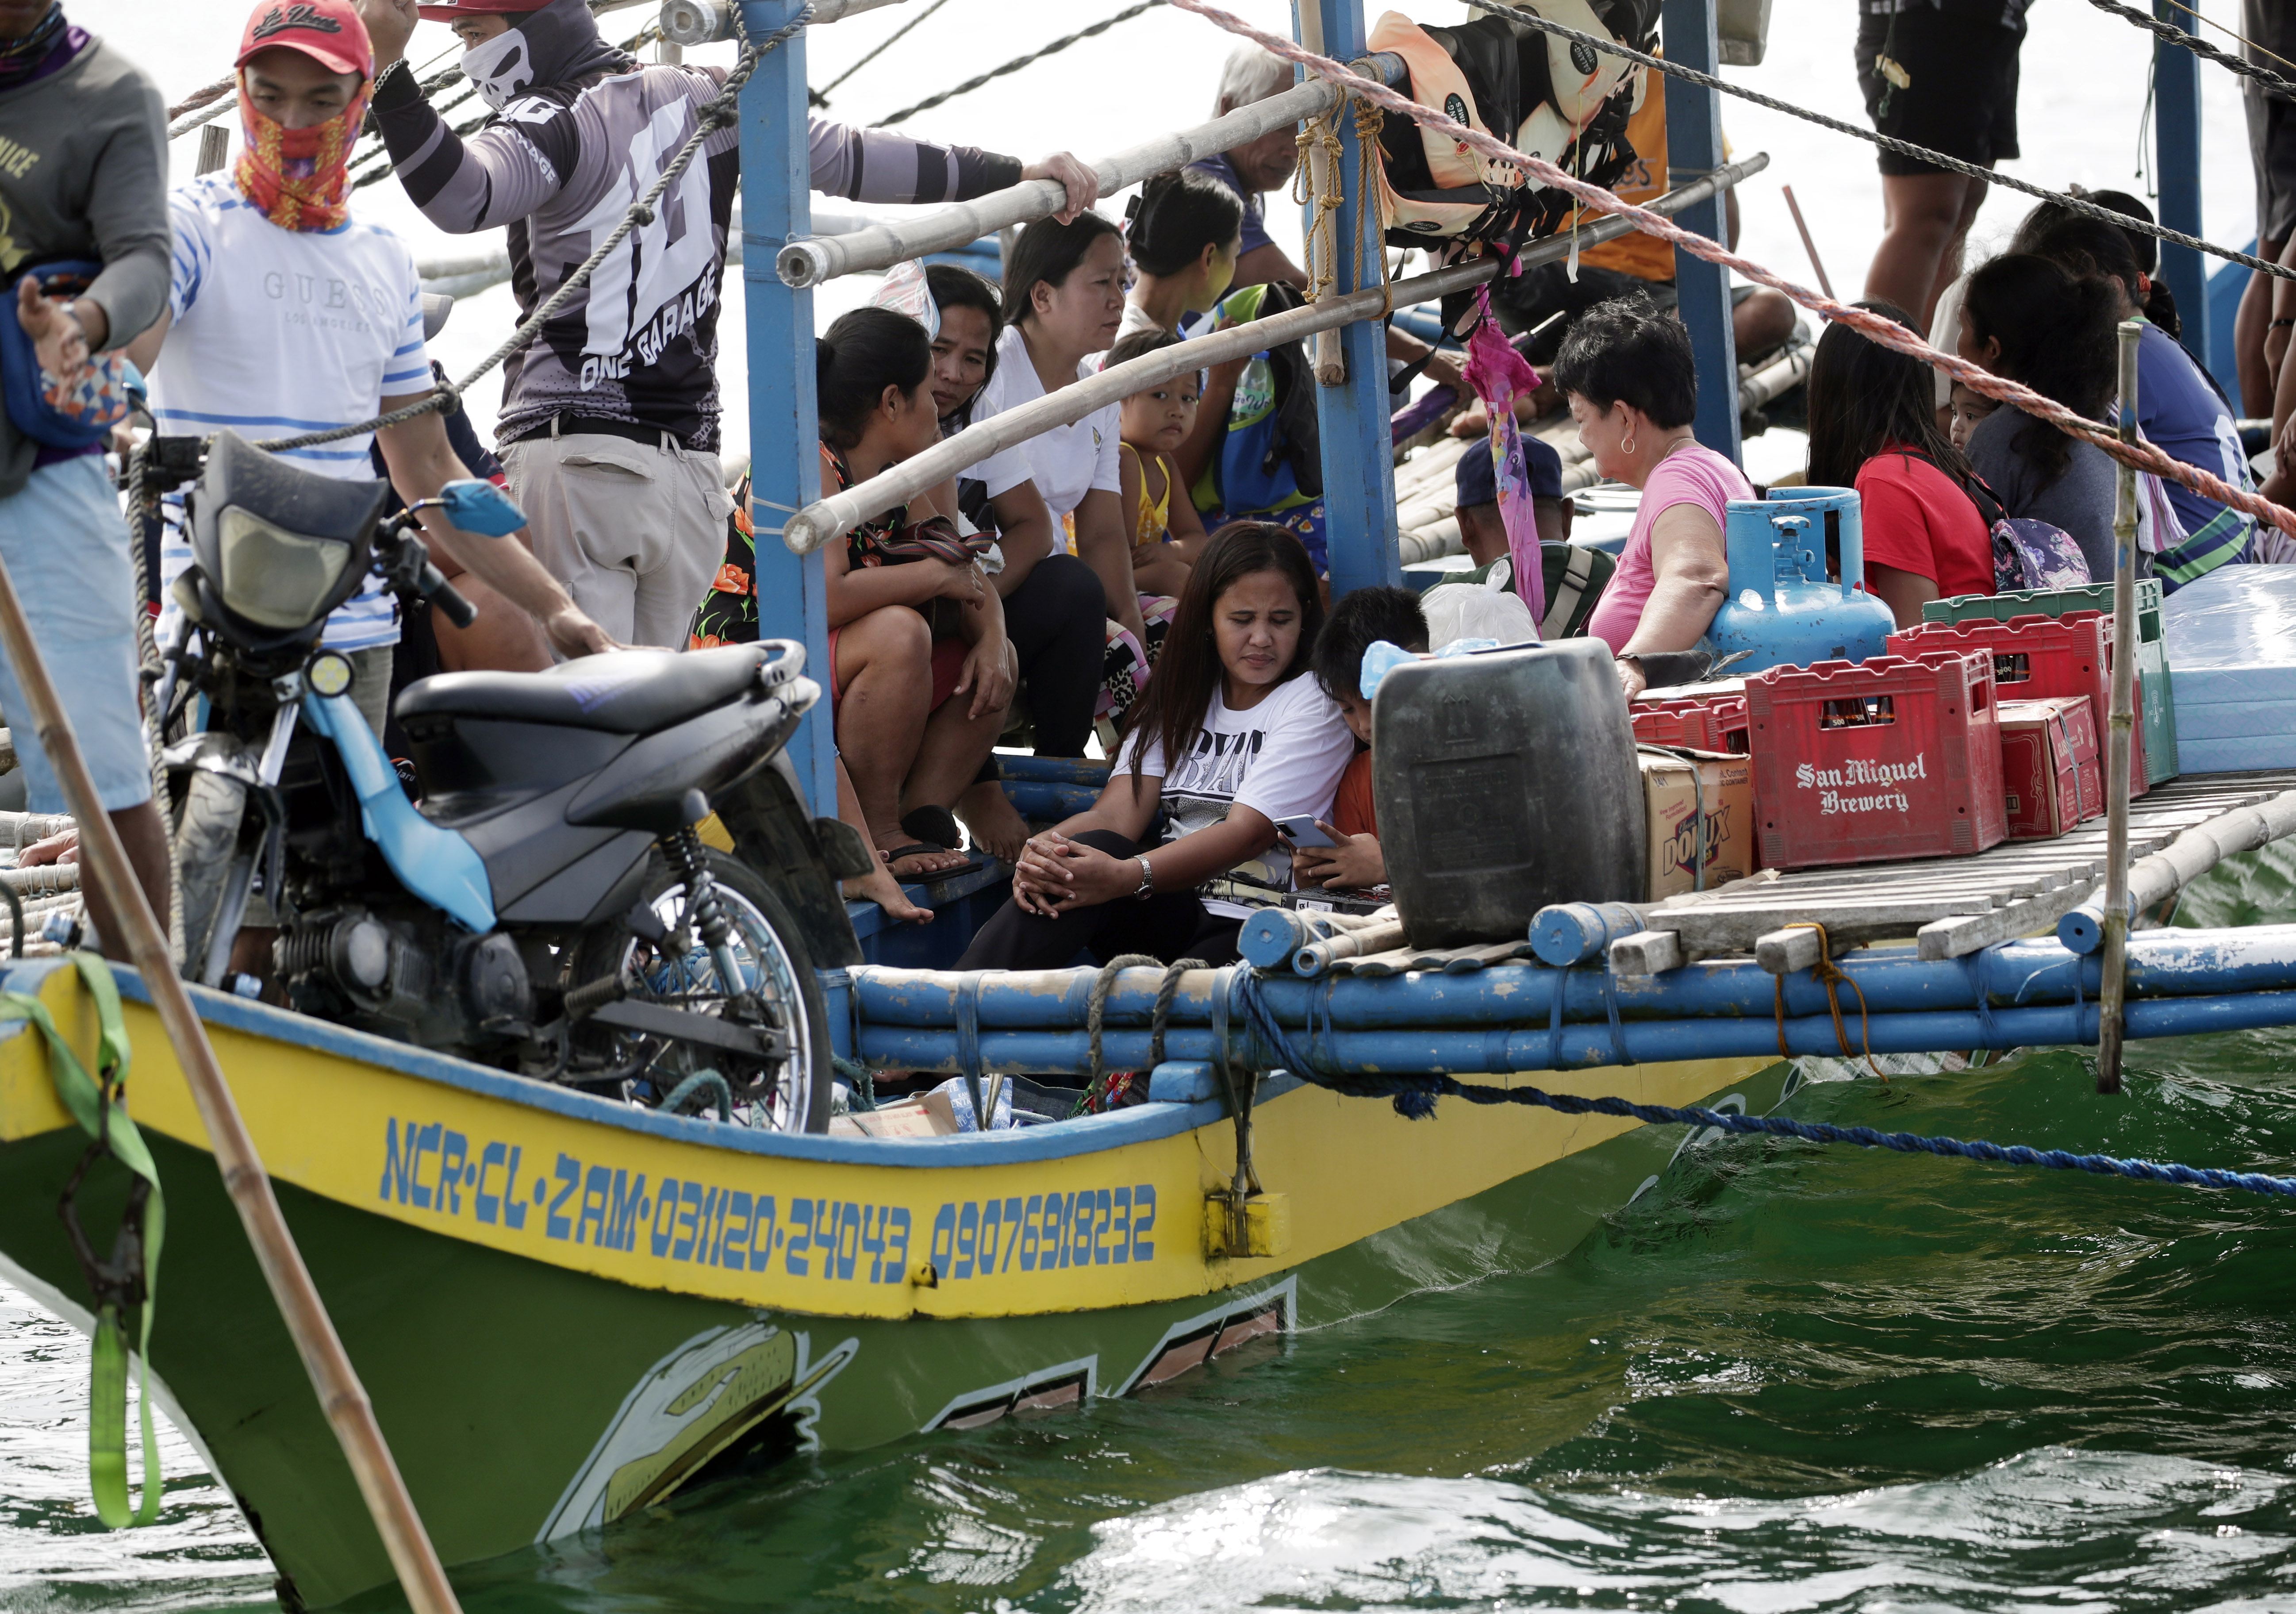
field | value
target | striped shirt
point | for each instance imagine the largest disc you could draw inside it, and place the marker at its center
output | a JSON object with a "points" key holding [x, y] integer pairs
{"points": [[280, 331]]}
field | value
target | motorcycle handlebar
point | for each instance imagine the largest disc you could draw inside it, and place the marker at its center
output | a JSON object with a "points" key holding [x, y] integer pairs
{"points": [[445, 597]]}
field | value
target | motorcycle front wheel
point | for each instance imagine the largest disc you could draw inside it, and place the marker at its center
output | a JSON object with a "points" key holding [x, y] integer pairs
{"points": [[793, 1094]]}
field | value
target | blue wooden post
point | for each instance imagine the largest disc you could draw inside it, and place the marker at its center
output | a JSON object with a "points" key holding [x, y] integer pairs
{"points": [[784, 432], [1693, 148], [1358, 453], [2177, 150]]}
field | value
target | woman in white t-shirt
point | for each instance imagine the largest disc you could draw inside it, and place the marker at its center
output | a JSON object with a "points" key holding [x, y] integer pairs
{"points": [[1231, 738], [1063, 300]]}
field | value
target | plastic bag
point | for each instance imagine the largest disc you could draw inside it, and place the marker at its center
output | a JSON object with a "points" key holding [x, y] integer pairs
{"points": [[1466, 610]]}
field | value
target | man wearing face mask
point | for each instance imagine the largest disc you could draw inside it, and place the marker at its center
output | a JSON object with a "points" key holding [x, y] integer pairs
{"points": [[83, 177], [287, 313], [610, 417]]}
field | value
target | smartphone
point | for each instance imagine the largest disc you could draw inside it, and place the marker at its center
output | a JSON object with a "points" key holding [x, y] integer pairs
{"points": [[1302, 831]]}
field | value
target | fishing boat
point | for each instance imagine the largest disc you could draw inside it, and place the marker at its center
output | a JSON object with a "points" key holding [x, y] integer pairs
{"points": [[565, 1307]]}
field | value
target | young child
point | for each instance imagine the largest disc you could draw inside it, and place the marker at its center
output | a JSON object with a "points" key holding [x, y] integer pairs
{"points": [[1969, 408], [1356, 621], [1167, 534]]}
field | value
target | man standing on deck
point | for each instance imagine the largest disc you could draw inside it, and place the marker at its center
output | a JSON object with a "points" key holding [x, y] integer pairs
{"points": [[83, 176], [609, 423], [286, 313]]}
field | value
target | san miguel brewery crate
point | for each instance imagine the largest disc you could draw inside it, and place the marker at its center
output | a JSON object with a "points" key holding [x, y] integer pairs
{"points": [[2159, 710], [2035, 658], [1865, 762], [1716, 725], [2052, 775]]}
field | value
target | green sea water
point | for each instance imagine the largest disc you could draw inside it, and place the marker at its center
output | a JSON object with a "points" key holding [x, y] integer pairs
{"points": [[1789, 1378]]}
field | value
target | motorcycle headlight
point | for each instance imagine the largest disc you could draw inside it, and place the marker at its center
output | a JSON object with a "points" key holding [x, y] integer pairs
{"points": [[275, 578]]}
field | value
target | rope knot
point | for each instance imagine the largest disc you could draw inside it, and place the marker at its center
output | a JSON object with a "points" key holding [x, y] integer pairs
{"points": [[1832, 977]]}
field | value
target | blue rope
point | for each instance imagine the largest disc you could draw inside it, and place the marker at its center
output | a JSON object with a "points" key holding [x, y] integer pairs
{"points": [[1414, 1096]]}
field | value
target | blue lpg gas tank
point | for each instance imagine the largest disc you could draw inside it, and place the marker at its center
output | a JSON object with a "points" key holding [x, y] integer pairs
{"points": [[1781, 606]]}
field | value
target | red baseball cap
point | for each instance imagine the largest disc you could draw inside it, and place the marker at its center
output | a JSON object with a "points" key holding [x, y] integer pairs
{"points": [[447, 10], [327, 31]]}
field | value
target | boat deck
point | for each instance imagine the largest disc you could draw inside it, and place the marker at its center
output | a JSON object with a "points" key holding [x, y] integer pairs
{"points": [[1952, 905]]}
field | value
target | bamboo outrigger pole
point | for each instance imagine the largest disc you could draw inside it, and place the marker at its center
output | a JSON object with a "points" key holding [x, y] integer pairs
{"points": [[104, 858], [2121, 727]]}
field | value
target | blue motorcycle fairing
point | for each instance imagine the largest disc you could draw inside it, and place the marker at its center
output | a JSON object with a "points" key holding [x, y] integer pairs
{"points": [[480, 506], [433, 862]]}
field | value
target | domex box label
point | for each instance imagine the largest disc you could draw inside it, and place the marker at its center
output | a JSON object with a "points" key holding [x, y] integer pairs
{"points": [[1700, 810]]}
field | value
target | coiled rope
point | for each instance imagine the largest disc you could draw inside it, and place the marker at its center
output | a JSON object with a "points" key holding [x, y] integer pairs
{"points": [[2169, 33], [1888, 143], [1888, 332], [1017, 63], [721, 112], [1414, 1097]]}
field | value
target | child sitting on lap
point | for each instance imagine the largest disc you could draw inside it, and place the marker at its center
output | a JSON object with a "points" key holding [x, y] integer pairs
{"points": [[1167, 534], [1969, 408], [1356, 621]]}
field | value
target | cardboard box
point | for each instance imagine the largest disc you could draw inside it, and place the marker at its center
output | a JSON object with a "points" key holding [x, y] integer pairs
{"points": [[2050, 775], [1673, 785], [908, 1120]]}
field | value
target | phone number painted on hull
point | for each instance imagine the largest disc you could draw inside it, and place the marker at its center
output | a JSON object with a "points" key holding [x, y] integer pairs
{"points": [[431, 1166]]}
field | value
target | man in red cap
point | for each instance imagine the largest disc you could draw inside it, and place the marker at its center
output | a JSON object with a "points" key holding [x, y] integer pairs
{"points": [[609, 422], [287, 313]]}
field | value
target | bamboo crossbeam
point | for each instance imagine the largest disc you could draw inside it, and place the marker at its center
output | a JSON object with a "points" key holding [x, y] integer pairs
{"points": [[810, 261], [685, 22], [833, 517], [2119, 727], [342, 1398], [2192, 853]]}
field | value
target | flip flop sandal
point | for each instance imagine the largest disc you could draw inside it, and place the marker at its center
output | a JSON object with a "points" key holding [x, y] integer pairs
{"points": [[925, 850], [934, 826]]}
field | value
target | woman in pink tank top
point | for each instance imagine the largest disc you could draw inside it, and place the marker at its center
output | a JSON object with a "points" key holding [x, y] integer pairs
{"points": [[1626, 370]]}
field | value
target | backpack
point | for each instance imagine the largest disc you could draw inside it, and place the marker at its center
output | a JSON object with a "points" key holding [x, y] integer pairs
{"points": [[1280, 451], [2027, 552], [1550, 98]]}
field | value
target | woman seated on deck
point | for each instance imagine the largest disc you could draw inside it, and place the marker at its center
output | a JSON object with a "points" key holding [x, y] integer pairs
{"points": [[1063, 300], [2036, 323], [1627, 372], [918, 702], [1055, 606], [1872, 425], [1184, 234], [1231, 737]]}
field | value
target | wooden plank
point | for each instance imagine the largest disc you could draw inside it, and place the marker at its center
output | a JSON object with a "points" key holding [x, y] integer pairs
{"points": [[1647, 953], [1961, 933]]}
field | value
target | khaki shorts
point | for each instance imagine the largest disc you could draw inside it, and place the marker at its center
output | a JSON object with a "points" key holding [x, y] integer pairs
{"points": [[636, 532]]}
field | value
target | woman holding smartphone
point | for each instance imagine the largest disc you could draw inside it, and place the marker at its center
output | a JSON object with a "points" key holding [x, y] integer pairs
{"points": [[1231, 738]]}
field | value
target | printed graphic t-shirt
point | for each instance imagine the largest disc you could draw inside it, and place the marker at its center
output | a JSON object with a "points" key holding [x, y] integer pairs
{"points": [[1918, 520], [1282, 758], [279, 331], [1692, 474]]}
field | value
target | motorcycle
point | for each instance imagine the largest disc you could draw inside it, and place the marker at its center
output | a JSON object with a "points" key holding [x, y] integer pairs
{"points": [[540, 898]]}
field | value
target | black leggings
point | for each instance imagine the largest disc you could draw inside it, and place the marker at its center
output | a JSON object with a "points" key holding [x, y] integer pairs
{"points": [[1056, 621], [1170, 926]]}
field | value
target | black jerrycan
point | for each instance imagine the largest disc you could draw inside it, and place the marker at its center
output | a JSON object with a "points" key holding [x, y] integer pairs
{"points": [[1506, 781]]}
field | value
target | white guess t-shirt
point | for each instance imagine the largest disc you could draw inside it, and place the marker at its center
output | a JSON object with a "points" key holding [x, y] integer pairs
{"points": [[1066, 463], [279, 331], [1282, 758]]}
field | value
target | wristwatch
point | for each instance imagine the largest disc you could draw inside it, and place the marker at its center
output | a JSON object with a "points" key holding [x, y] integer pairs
{"points": [[1147, 886]]}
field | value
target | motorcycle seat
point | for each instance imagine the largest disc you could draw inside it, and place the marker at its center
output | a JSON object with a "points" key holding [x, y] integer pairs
{"points": [[635, 691]]}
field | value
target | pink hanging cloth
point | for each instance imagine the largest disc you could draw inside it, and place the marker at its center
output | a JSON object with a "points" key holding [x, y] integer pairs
{"points": [[1499, 375]]}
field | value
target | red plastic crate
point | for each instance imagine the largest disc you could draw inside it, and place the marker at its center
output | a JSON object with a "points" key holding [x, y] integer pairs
{"points": [[2035, 658], [1718, 725], [1864, 762]]}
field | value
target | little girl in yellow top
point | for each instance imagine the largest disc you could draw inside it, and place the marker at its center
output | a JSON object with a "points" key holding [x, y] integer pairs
{"points": [[1166, 531]]}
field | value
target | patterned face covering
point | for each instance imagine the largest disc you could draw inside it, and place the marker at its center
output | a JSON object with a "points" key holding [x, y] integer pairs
{"points": [[299, 179], [19, 57]]}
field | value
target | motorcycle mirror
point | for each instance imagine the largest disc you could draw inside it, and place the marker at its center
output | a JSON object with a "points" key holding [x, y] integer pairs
{"points": [[480, 507]]}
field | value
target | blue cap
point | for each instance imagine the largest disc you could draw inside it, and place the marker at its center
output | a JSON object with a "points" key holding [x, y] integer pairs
{"points": [[1479, 484]]}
